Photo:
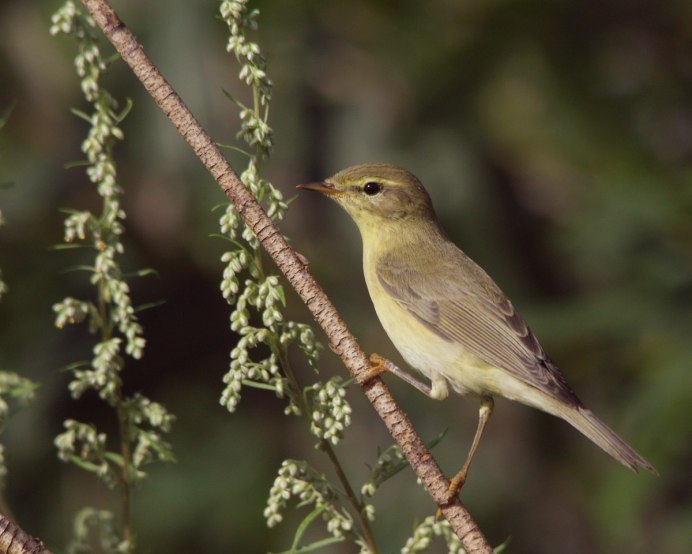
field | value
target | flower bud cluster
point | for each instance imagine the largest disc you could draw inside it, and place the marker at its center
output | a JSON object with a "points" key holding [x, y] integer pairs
{"points": [[254, 127], [297, 479], [258, 300], [427, 530], [111, 314], [331, 414], [388, 463]]}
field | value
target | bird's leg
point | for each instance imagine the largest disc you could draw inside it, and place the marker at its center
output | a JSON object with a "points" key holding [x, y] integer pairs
{"points": [[381, 365], [484, 413]]}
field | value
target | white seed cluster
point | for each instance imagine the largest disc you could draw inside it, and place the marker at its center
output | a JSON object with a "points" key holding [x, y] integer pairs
{"points": [[71, 311], [258, 300], [15, 387], [265, 336], [112, 314], [388, 463], [89, 523], [254, 128], [152, 419], [88, 62], [298, 479], [83, 444], [429, 529], [104, 229], [331, 414], [266, 297], [104, 373], [304, 336]]}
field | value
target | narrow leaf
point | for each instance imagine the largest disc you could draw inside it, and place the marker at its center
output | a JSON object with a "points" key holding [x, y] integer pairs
{"points": [[76, 163], [126, 110], [234, 149], [257, 385], [5, 115], [305, 524], [149, 305], [81, 115], [315, 546]]}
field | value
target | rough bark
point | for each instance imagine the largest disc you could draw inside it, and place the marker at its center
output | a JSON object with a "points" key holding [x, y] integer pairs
{"points": [[15, 541]]}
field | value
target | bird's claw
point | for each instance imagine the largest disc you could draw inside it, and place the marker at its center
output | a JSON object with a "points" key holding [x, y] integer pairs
{"points": [[377, 368], [455, 485]]}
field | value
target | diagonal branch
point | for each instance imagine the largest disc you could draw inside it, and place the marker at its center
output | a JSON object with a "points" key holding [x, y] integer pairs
{"points": [[16, 541], [341, 340]]}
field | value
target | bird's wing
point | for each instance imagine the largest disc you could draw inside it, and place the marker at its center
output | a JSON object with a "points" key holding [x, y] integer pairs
{"points": [[469, 308]]}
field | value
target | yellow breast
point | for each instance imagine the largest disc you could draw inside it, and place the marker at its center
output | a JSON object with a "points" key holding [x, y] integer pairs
{"points": [[439, 360]]}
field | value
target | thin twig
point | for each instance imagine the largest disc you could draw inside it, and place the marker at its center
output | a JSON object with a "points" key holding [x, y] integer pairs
{"points": [[341, 340]]}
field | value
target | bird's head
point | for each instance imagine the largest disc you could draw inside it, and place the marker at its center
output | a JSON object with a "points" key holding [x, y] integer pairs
{"points": [[377, 194]]}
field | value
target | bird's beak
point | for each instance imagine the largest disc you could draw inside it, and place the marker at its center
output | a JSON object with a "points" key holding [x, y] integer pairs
{"points": [[324, 187]]}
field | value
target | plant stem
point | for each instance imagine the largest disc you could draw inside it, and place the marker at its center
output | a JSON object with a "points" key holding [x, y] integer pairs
{"points": [[326, 447], [351, 495], [125, 474], [106, 332]]}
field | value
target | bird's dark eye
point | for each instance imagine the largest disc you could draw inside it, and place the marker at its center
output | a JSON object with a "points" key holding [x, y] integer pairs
{"points": [[371, 188]]}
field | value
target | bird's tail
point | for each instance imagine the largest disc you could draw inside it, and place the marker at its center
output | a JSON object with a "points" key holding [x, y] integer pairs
{"points": [[588, 424]]}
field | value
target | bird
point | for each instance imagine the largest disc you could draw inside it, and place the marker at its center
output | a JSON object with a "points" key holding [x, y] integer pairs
{"points": [[446, 316]]}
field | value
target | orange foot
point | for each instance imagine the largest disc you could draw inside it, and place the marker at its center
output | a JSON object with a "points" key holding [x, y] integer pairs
{"points": [[377, 368], [453, 490], [455, 485]]}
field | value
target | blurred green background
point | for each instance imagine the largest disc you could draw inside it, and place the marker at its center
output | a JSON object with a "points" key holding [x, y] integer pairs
{"points": [[556, 141]]}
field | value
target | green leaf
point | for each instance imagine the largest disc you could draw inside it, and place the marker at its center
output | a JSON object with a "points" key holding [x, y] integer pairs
{"points": [[69, 246], [149, 305], [76, 163], [70, 211], [404, 463], [81, 115], [234, 149], [86, 466], [305, 524], [72, 268], [501, 548], [112, 58], [234, 242], [282, 295], [234, 99], [24, 392], [220, 236], [436, 440], [162, 449], [126, 110], [141, 273], [257, 385], [77, 365], [314, 546], [5, 115], [114, 457]]}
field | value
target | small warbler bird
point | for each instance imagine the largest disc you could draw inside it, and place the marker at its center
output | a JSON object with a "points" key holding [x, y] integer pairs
{"points": [[446, 316]]}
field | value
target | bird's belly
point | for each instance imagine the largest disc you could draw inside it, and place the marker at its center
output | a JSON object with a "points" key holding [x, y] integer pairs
{"points": [[432, 355]]}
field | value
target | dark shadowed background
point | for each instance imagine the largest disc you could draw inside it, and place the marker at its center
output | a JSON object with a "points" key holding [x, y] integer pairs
{"points": [[555, 139]]}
